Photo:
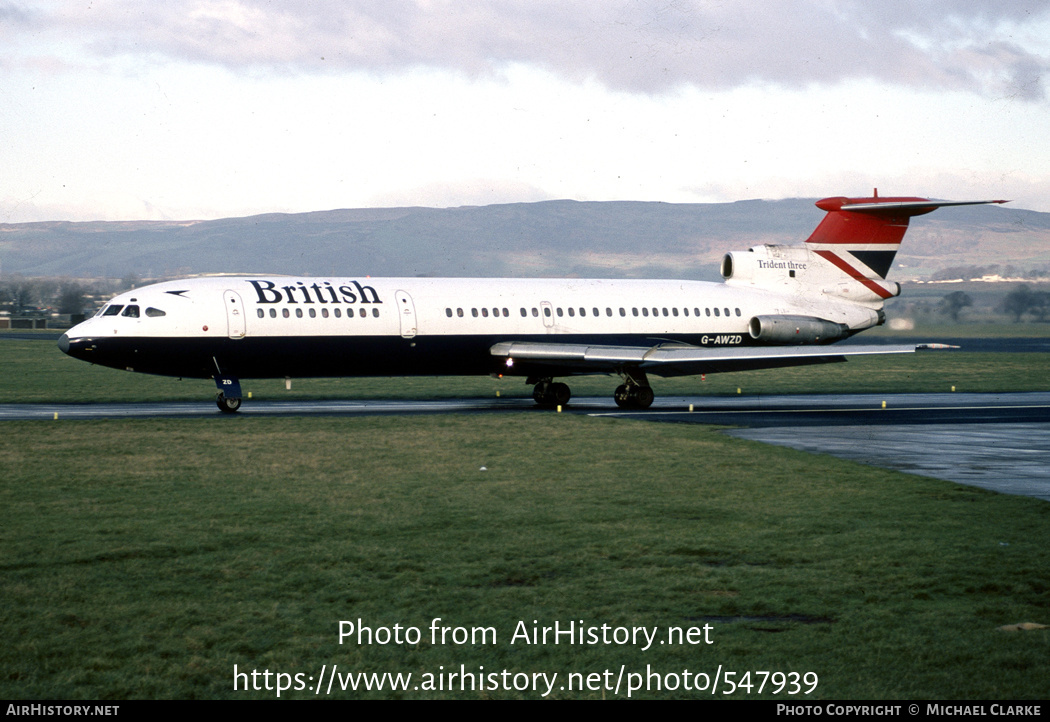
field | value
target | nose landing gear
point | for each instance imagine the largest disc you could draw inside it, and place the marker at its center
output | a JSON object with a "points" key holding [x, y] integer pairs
{"points": [[229, 398], [226, 404]]}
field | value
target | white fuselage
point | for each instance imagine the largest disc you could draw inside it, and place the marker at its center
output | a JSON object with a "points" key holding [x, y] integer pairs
{"points": [[279, 326], [275, 306]]}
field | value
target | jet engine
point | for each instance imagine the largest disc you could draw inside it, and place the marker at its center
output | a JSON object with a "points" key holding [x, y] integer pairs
{"points": [[795, 329]]}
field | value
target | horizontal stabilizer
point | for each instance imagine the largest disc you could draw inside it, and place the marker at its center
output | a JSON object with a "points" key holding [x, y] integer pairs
{"points": [[917, 206]]}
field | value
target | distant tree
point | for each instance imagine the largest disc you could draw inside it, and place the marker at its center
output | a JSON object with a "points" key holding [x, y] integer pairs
{"points": [[1018, 302], [1040, 305], [952, 304], [71, 297], [46, 291], [20, 291]]}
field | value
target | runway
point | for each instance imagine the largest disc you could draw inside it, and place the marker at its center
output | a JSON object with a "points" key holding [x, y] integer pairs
{"points": [[996, 441]]}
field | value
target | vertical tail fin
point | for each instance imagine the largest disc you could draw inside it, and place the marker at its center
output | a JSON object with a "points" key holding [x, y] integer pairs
{"points": [[860, 236]]}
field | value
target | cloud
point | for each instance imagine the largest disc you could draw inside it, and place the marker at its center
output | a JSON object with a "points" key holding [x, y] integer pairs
{"points": [[985, 46]]}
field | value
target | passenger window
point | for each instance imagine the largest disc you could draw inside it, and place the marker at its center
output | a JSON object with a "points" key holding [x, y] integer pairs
{"points": [[324, 313], [339, 314], [634, 311], [727, 312], [560, 312], [361, 312], [313, 313], [474, 312], [459, 312], [112, 310], [524, 313], [716, 312], [535, 312], [547, 312], [506, 313], [259, 312], [738, 312], [375, 312], [583, 311], [273, 313], [298, 313], [645, 312], [131, 312], [674, 311], [284, 312], [572, 311], [156, 312], [623, 311], [485, 312], [448, 312]]}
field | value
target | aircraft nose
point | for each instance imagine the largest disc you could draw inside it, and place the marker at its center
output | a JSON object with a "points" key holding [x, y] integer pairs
{"points": [[63, 343]]}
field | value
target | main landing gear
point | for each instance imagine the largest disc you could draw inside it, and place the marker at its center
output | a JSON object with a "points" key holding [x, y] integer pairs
{"points": [[549, 393], [634, 393], [632, 396]]}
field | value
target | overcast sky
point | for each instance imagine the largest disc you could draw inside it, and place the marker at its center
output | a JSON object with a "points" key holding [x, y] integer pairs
{"points": [[192, 109]]}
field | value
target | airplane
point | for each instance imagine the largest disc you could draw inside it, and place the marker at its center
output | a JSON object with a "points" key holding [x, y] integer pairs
{"points": [[777, 306]]}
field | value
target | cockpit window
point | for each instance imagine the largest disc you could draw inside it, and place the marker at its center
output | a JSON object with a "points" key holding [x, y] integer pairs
{"points": [[131, 311], [154, 312], [112, 310]]}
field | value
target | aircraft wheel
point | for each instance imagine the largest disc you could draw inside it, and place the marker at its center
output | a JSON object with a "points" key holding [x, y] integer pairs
{"points": [[643, 397], [634, 397], [227, 406], [559, 394], [539, 394]]}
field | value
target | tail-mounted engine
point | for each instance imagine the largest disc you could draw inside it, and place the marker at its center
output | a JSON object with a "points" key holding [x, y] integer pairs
{"points": [[795, 330]]}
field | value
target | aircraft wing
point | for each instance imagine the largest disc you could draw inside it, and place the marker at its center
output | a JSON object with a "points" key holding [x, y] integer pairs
{"points": [[674, 359]]}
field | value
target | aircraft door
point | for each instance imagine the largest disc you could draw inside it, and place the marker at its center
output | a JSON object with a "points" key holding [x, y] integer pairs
{"points": [[406, 311], [547, 312], [235, 323]]}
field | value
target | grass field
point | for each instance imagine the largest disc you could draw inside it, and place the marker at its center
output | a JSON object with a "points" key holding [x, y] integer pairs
{"points": [[36, 371], [146, 558]]}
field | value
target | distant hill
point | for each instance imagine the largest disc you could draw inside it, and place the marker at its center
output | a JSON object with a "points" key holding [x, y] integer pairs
{"points": [[552, 238]]}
